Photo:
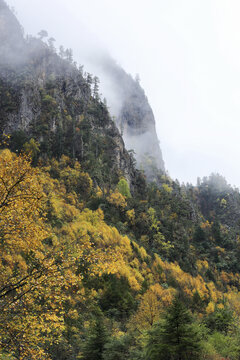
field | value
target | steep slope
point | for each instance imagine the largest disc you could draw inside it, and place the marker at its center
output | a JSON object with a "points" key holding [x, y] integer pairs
{"points": [[108, 293], [134, 116], [44, 96], [89, 270], [11, 36]]}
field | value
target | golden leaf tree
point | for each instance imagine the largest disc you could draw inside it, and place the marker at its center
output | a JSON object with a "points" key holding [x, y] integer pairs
{"points": [[42, 265], [23, 266]]}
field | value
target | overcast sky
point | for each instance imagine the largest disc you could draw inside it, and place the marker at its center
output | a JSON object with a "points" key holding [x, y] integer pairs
{"points": [[187, 53]]}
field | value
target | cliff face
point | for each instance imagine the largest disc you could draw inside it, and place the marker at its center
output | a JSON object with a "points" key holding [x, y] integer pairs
{"points": [[134, 116], [11, 36], [45, 96]]}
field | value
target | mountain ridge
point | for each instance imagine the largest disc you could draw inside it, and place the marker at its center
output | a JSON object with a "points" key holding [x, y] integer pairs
{"points": [[47, 97], [95, 261]]}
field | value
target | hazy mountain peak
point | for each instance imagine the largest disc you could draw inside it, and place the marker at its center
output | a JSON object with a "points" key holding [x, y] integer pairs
{"points": [[133, 114], [11, 36]]}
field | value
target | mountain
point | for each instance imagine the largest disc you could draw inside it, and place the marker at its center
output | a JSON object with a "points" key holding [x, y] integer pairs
{"points": [[97, 263], [133, 114], [11, 36], [44, 96], [35, 79]]}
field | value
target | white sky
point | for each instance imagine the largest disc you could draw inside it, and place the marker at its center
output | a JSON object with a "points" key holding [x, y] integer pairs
{"points": [[187, 53]]}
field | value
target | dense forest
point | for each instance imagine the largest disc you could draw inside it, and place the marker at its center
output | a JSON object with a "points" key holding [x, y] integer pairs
{"points": [[97, 262]]}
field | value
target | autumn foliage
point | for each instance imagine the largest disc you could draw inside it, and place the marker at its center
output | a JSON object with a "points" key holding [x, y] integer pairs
{"points": [[64, 269]]}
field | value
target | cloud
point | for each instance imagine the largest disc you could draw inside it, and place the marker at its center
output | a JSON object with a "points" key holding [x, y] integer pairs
{"points": [[187, 54]]}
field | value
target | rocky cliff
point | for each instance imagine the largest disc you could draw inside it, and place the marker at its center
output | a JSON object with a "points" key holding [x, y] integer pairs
{"points": [[11, 37], [133, 114], [45, 96]]}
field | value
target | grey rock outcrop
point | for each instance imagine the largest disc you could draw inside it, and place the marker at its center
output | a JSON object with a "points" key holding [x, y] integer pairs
{"points": [[133, 114], [11, 37], [46, 97]]}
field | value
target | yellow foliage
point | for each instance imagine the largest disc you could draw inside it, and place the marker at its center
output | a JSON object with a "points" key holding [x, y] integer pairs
{"points": [[24, 265], [233, 298], [35, 278], [42, 266], [210, 308], [143, 254], [148, 312], [134, 284], [223, 203], [167, 188], [220, 250], [190, 284], [131, 216], [206, 225], [140, 251], [152, 304], [202, 266], [135, 263], [117, 199], [138, 276], [21, 214], [99, 192]]}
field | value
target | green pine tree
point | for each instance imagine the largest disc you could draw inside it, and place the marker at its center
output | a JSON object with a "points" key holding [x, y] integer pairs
{"points": [[176, 338], [96, 340]]}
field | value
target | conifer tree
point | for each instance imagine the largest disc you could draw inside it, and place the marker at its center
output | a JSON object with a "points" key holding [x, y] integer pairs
{"points": [[96, 87], [176, 338], [96, 340]]}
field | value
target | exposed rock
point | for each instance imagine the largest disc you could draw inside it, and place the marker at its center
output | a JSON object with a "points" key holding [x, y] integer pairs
{"points": [[134, 116], [11, 36], [46, 97]]}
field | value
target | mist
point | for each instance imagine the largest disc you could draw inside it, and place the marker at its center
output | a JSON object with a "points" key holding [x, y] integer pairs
{"points": [[187, 55]]}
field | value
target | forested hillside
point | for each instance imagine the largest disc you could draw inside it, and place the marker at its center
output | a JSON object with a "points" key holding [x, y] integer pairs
{"points": [[97, 262]]}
